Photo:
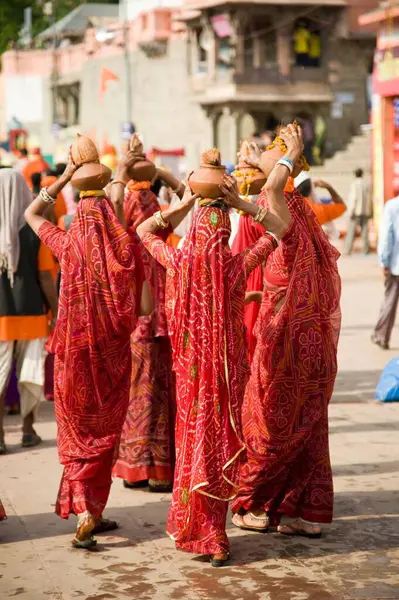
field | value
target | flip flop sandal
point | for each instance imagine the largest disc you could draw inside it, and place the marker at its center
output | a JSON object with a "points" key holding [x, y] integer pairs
{"points": [[239, 521], [160, 487], [103, 525], [298, 532], [29, 440], [85, 544], [216, 560]]}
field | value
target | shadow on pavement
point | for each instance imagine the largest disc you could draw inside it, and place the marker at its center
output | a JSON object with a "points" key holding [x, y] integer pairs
{"points": [[355, 386], [366, 468]]}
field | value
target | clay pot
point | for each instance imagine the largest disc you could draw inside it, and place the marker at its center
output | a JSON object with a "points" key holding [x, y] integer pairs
{"points": [[206, 181], [143, 170], [250, 181], [92, 176], [269, 158], [84, 150]]}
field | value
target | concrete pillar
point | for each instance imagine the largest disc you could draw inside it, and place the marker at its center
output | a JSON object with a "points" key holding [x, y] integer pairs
{"points": [[213, 115], [284, 50], [238, 23], [211, 55], [193, 52], [258, 57], [71, 109], [236, 116]]}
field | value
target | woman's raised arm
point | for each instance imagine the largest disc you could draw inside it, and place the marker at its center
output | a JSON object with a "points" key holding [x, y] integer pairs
{"points": [[34, 214]]}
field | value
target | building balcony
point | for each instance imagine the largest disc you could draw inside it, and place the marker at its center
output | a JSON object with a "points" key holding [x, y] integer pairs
{"points": [[272, 75], [262, 85]]}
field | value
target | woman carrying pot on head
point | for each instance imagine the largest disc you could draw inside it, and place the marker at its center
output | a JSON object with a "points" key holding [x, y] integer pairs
{"points": [[285, 415], [205, 294], [147, 452], [102, 293]]}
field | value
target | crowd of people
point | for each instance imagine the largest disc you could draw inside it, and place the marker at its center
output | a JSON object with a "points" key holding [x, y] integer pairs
{"points": [[203, 366]]}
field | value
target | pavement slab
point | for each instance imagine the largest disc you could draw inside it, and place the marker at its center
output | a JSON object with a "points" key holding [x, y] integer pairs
{"points": [[358, 559]]}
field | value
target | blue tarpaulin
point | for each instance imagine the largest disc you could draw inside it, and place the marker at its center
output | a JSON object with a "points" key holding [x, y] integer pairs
{"points": [[388, 386]]}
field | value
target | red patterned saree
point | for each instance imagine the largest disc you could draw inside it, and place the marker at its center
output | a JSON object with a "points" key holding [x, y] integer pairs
{"points": [[146, 450], [205, 307], [285, 414], [98, 305], [248, 233]]}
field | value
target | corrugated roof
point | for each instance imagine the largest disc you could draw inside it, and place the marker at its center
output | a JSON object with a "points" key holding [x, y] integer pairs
{"points": [[78, 19]]}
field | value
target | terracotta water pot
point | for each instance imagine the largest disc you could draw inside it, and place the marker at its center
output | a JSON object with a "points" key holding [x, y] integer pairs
{"points": [[143, 170], [250, 181], [269, 158], [206, 181], [91, 176], [84, 150]]}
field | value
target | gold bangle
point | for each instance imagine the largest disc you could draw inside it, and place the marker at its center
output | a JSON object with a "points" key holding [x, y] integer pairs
{"points": [[115, 181], [260, 215], [45, 196], [160, 221]]}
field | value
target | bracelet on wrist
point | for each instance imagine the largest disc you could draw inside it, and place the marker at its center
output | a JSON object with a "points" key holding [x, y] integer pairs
{"points": [[45, 196], [160, 221], [115, 181], [286, 162], [260, 215], [273, 235]]}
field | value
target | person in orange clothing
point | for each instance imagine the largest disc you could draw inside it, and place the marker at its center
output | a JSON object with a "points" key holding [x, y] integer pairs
{"points": [[36, 164], [27, 291], [325, 213]]}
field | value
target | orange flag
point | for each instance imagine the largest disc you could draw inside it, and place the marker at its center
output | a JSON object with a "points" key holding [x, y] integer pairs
{"points": [[105, 77]]}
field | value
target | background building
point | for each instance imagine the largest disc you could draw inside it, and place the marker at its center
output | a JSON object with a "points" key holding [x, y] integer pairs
{"points": [[385, 103], [192, 74]]}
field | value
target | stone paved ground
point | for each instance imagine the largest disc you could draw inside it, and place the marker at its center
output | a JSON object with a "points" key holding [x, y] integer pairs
{"points": [[357, 560]]}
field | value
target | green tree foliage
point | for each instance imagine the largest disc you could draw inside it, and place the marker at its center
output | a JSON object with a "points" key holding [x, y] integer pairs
{"points": [[12, 17]]}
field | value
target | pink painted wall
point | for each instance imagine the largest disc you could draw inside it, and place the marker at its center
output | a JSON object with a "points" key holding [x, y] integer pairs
{"points": [[155, 25]]}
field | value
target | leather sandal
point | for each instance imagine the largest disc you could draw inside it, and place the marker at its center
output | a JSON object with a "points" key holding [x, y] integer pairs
{"points": [[220, 559], [251, 522], [160, 487], [297, 528], [135, 485]]}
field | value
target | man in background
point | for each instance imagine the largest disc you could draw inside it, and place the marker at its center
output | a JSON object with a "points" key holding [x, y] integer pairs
{"points": [[22, 160], [36, 164], [360, 209], [388, 252], [325, 213], [301, 45]]}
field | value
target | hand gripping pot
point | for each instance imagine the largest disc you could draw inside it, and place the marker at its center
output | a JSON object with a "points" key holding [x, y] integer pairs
{"points": [[277, 150]]}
